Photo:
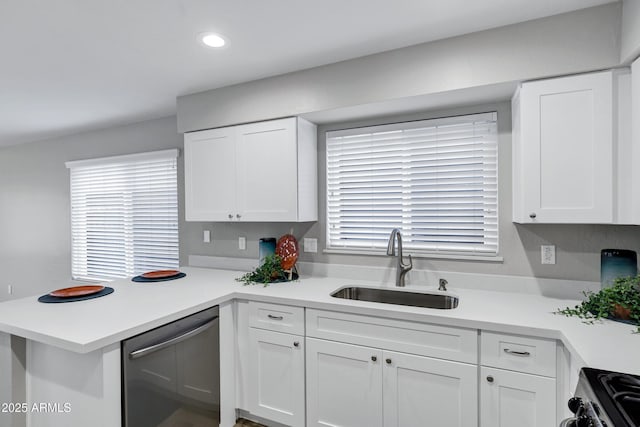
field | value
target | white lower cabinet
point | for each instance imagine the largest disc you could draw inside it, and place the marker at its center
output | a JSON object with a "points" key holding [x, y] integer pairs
{"points": [[516, 399], [357, 386], [344, 385], [517, 381], [276, 369]]}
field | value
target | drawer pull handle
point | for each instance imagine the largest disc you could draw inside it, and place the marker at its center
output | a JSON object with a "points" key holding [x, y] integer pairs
{"points": [[374, 358], [517, 353], [271, 316], [388, 361], [532, 215], [490, 378], [296, 344]]}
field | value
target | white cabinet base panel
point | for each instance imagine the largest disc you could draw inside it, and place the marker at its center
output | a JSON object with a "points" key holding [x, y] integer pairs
{"points": [[83, 389]]}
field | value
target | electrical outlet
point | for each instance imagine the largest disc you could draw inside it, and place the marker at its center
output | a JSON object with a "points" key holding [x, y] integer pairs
{"points": [[206, 236], [310, 245], [242, 243], [548, 254]]}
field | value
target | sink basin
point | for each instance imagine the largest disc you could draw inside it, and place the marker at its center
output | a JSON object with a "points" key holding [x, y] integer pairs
{"points": [[389, 296]]}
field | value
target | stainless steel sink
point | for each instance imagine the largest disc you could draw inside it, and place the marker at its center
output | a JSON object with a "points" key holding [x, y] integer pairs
{"points": [[389, 296]]}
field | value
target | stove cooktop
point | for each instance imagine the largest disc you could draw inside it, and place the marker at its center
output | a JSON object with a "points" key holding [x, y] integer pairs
{"points": [[617, 395]]}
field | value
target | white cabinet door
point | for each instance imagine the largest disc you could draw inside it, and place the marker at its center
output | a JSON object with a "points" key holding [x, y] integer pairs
{"points": [[563, 150], [267, 171], [344, 385], [259, 172], [510, 399], [422, 391], [210, 175], [276, 367]]}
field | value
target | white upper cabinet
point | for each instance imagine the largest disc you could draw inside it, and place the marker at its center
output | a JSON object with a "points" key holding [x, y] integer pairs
{"points": [[210, 158], [264, 172], [566, 134]]}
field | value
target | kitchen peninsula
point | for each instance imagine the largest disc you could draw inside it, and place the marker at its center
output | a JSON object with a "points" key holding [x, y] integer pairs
{"points": [[73, 350]]}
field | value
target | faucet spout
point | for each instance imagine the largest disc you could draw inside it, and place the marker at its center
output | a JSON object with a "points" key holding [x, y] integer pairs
{"points": [[402, 268]]}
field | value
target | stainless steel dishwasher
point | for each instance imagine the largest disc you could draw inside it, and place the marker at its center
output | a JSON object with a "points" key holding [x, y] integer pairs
{"points": [[171, 374]]}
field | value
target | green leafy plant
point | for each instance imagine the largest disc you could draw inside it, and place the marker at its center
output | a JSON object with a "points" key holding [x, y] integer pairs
{"points": [[270, 271], [621, 298]]}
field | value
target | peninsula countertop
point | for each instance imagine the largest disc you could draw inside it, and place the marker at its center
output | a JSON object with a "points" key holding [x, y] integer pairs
{"points": [[134, 308]]}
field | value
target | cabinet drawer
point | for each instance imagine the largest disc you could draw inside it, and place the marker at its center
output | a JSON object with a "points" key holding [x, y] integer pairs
{"points": [[276, 317], [443, 342], [518, 353]]}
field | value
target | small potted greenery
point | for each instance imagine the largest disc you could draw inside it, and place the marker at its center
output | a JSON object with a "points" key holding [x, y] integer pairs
{"points": [[620, 301], [270, 271]]}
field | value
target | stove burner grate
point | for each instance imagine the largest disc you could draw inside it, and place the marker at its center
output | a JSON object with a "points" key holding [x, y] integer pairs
{"points": [[625, 393]]}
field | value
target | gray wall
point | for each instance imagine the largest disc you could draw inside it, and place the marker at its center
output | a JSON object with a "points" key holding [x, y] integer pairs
{"points": [[34, 213], [35, 230], [34, 183], [569, 43], [630, 31], [577, 246]]}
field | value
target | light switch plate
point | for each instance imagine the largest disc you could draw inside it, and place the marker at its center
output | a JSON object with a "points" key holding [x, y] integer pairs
{"points": [[206, 236], [310, 245], [548, 254], [242, 243]]}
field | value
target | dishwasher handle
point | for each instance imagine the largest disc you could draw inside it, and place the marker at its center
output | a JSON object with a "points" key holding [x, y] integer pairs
{"points": [[136, 354]]}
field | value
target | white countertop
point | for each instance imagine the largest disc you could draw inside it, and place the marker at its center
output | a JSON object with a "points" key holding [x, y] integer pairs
{"points": [[137, 307]]}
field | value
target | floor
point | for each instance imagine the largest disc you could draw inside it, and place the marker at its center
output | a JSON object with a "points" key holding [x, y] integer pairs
{"points": [[246, 423]]}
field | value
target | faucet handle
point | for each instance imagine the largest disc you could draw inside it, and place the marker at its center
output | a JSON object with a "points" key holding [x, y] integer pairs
{"points": [[442, 285], [410, 266]]}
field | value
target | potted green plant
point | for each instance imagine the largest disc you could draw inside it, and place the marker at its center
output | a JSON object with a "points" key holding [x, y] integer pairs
{"points": [[620, 301], [270, 271]]}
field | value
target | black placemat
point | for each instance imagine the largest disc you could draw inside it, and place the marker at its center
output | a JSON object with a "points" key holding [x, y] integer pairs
{"points": [[141, 279], [51, 299]]}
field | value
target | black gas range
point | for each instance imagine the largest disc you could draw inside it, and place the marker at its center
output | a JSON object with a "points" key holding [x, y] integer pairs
{"points": [[605, 398]]}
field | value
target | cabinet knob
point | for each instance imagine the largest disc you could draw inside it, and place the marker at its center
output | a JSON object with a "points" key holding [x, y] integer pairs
{"points": [[532, 215], [230, 216], [388, 361], [490, 378], [296, 344], [238, 216], [374, 358]]}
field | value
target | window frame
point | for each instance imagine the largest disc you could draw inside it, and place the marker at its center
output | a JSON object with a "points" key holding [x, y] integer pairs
{"points": [[120, 167], [411, 124]]}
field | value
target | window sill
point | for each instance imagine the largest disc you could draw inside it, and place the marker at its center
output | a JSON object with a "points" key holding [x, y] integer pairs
{"points": [[454, 257]]}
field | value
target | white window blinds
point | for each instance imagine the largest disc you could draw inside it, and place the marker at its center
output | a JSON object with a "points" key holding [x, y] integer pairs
{"points": [[124, 215], [435, 180]]}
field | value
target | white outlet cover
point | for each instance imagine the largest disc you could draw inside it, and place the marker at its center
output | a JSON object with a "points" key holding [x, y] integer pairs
{"points": [[310, 245], [242, 243], [548, 254]]}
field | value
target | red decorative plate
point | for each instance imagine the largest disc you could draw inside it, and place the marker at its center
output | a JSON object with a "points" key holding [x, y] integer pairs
{"points": [[287, 249], [160, 274], [76, 291]]}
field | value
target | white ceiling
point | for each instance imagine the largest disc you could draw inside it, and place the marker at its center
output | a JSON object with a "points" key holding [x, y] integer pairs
{"points": [[73, 65]]}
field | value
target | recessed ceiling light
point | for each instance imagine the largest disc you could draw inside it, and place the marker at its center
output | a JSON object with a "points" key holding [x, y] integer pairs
{"points": [[213, 40]]}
